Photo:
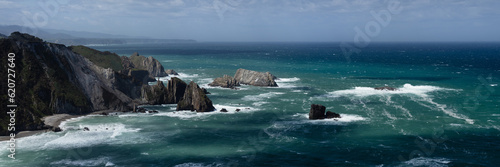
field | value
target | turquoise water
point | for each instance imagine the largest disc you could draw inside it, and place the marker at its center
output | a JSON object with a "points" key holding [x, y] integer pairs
{"points": [[446, 112]]}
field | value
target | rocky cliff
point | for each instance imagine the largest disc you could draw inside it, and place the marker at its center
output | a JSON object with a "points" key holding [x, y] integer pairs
{"points": [[195, 99], [150, 64], [55, 79]]}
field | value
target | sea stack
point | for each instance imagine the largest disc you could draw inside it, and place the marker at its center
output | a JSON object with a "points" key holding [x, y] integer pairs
{"points": [[317, 111], [195, 99], [255, 78]]}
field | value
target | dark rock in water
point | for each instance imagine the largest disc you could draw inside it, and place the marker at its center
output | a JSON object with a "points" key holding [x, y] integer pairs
{"points": [[195, 99], [317, 112], [171, 72], [141, 110], [330, 115], [226, 82], [255, 78], [386, 88], [86, 129], [104, 113], [56, 129], [238, 110], [223, 110], [154, 111]]}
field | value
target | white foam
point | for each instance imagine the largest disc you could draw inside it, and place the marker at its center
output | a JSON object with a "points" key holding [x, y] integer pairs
{"points": [[199, 115], [262, 96], [421, 90], [90, 162], [345, 118], [192, 164], [184, 75], [282, 80], [98, 134], [424, 161]]}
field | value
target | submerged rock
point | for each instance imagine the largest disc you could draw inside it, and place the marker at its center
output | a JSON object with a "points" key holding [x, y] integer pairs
{"points": [[255, 78], [195, 99], [226, 82], [317, 111], [386, 88], [223, 110]]}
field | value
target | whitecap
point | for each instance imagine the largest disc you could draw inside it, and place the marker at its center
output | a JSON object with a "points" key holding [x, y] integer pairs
{"points": [[420, 90], [424, 161], [262, 96], [192, 164], [89, 162], [198, 115], [345, 118], [282, 80], [184, 75]]}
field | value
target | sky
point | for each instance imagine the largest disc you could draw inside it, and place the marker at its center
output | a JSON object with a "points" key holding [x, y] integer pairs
{"points": [[266, 20]]}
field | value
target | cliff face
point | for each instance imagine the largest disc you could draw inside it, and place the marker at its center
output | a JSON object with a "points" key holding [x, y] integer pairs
{"points": [[51, 79]]}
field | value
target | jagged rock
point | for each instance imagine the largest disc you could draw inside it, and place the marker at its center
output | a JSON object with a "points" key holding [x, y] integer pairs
{"points": [[317, 111], [171, 72], [159, 94], [150, 64], [223, 110], [226, 82], [195, 99], [330, 115], [255, 78], [386, 88]]}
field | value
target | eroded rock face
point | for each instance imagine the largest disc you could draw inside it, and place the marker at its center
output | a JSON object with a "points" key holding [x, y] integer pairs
{"points": [[195, 99], [255, 78], [150, 64], [226, 82], [317, 112], [159, 94]]}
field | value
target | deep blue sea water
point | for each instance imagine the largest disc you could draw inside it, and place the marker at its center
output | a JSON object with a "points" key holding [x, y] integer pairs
{"points": [[446, 112]]}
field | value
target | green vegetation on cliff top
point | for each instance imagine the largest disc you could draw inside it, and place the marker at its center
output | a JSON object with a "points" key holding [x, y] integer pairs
{"points": [[102, 59]]}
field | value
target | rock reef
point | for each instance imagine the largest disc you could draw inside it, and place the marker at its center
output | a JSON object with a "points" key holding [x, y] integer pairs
{"points": [[246, 77], [317, 111], [226, 82]]}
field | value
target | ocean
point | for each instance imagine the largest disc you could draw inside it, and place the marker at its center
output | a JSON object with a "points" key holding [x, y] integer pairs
{"points": [[445, 113]]}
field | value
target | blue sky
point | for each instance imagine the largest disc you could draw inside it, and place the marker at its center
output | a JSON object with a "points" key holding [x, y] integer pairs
{"points": [[265, 20]]}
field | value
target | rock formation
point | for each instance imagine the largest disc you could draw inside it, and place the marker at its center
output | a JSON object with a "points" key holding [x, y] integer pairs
{"points": [[226, 82], [55, 79], [386, 88], [195, 99], [255, 78], [159, 94], [317, 111], [171, 72], [150, 64]]}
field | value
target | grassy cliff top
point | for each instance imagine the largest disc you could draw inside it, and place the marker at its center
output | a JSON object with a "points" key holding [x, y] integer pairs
{"points": [[103, 59]]}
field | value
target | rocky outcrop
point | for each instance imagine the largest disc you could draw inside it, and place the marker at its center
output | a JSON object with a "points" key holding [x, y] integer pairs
{"points": [[330, 115], [159, 94], [195, 99], [171, 72], [255, 78], [150, 64], [386, 88], [226, 82], [317, 111]]}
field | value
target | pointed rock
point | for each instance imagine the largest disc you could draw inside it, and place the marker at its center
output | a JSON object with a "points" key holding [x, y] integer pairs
{"points": [[195, 99]]}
